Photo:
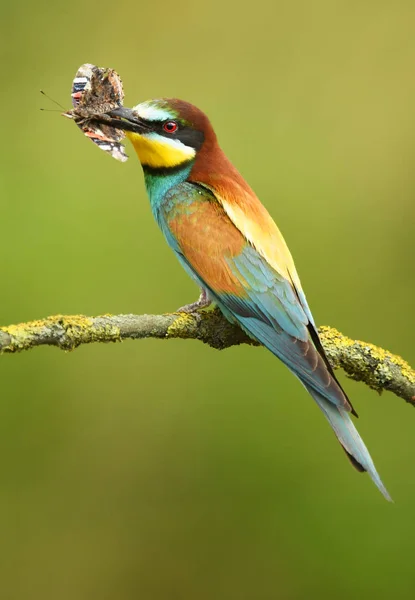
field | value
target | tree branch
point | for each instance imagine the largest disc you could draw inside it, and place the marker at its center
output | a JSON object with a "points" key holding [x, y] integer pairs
{"points": [[361, 361]]}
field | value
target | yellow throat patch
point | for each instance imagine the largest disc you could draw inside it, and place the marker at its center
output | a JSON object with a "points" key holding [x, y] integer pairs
{"points": [[157, 152]]}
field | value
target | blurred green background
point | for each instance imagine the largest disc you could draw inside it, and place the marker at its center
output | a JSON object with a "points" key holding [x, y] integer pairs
{"points": [[170, 471]]}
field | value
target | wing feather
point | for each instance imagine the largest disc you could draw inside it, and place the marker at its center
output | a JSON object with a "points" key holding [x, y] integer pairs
{"points": [[261, 298]]}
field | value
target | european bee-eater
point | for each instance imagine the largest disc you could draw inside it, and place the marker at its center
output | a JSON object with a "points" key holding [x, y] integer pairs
{"points": [[228, 243]]}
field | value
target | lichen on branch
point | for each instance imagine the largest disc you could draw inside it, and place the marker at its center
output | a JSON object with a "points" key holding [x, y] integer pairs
{"points": [[362, 361]]}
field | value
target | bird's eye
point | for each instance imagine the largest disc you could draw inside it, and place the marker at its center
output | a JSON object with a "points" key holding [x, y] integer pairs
{"points": [[170, 126]]}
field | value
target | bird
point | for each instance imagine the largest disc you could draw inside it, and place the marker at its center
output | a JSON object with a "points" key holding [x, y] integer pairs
{"points": [[228, 243]]}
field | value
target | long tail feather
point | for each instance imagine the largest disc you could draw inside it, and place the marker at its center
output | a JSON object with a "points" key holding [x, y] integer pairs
{"points": [[349, 438]]}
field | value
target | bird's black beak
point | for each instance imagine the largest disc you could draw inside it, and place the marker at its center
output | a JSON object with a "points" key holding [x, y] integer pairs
{"points": [[125, 119]]}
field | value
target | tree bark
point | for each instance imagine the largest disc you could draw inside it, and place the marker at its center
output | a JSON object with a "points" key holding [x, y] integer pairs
{"points": [[362, 361]]}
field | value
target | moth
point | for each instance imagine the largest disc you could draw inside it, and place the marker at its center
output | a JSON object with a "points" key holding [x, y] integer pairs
{"points": [[96, 91]]}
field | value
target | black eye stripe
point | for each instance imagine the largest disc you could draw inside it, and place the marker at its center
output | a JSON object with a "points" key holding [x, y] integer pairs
{"points": [[185, 134], [190, 137]]}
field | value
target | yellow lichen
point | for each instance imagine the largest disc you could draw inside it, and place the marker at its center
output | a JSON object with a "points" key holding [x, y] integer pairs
{"points": [[70, 331], [378, 366], [179, 327]]}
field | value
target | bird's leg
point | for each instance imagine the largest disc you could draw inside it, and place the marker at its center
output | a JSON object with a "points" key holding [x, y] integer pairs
{"points": [[202, 302]]}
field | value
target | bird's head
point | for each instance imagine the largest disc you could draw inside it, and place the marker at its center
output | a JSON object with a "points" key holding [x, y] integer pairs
{"points": [[166, 133]]}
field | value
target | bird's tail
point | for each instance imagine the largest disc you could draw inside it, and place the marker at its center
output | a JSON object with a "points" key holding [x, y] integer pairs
{"points": [[349, 438]]}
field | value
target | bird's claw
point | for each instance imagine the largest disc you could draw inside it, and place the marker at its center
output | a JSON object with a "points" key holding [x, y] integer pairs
{"points": [[202, 302]]}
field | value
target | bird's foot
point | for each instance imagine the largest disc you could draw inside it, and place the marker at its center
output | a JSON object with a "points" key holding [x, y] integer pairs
{"points": [[202, 302]]}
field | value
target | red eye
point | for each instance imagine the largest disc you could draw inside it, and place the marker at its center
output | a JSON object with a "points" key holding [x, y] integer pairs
{"points": [[170, 126]]}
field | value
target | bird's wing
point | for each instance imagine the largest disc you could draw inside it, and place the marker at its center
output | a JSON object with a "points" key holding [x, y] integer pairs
{"points": [[253, 220], [225, 254]]}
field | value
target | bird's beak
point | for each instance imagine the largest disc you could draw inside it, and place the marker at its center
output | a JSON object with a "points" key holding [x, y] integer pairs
{"points": [[127, 120]]}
